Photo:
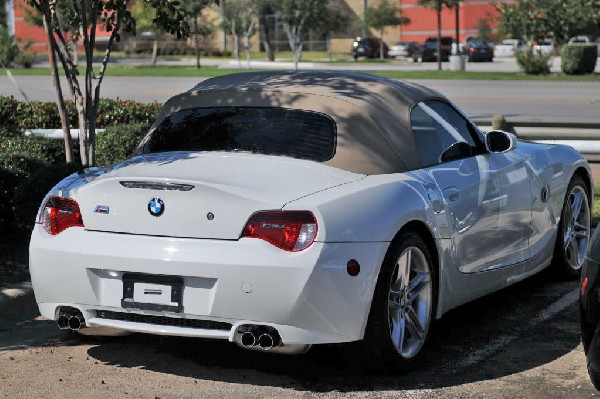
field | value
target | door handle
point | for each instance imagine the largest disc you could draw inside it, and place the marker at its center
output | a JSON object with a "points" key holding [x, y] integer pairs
{"points": [[451, 194]]}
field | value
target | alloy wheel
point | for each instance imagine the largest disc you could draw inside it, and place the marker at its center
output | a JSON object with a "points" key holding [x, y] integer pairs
{"points": [[409, 302], [576, 227]]}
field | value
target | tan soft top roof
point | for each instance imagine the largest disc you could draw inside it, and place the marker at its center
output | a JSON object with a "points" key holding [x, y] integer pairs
{"points": [[372, 113]]}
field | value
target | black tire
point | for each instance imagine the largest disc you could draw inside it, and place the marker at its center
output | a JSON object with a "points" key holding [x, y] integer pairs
{"points": [[377, 344], [562, 260]]}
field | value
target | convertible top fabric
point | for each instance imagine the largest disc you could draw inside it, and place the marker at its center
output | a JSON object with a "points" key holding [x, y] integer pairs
{"points": [[372, 113]]}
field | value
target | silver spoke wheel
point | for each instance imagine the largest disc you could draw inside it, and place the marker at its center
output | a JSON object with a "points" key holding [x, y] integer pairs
{"points": [[409, 302], [576, 227]]}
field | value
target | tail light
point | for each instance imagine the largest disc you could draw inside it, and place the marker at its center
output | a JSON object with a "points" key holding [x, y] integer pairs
{"points": [[472, 50], [60, 214], [289, 230]]}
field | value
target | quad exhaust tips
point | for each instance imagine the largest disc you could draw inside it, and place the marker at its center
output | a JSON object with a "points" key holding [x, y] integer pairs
{"points": [[70, 319]]}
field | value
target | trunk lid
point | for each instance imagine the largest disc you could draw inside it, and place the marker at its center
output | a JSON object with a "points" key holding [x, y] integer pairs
{"points": [[202, 195]]}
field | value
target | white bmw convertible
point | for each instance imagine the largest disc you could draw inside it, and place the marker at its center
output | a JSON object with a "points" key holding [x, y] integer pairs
{"points": [[283, 210]]}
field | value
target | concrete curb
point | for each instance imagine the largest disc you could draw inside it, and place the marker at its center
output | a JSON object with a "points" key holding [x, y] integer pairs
{"points": [[17, 299]]}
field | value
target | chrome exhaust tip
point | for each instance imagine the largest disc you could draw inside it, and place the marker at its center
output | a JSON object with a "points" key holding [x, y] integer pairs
{"points": [[63, 322], [76, 322], [266, 341], [248, 339]]}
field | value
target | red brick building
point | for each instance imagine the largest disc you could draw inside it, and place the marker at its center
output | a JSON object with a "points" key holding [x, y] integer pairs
{"points": [[424, 20], [15, 20]]}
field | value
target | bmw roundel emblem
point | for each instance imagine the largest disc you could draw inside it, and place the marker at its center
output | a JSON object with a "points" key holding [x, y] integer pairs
{"points": [[156, 207]]}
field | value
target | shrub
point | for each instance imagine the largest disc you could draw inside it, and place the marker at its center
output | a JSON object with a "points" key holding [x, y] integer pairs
{"points": [[25, 59], [29, 193], [120, 112], [117, 143], [14, 169], [9, 118], [44, 115], [40, 148], [577, 59], [534, 62]]}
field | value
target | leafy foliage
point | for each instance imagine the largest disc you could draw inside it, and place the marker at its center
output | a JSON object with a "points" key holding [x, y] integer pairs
{"points": [[117, 143], [8, 48], [297, 17], [86, 16], [534, 62], [536, 19], [577, 59], [40, 148], [382, 16], [17, 115]]}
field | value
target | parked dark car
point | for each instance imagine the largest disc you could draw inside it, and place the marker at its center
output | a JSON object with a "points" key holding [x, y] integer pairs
{"points": [[589, 306], [368, 47], [429, 50], [478, 50]]}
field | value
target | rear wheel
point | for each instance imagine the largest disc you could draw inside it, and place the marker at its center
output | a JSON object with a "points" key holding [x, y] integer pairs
{"points": [[573, 230], [403, 304]]}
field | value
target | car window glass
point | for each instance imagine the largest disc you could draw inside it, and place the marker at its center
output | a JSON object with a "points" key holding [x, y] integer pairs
{"points": [[271, 131], [437, 127]]}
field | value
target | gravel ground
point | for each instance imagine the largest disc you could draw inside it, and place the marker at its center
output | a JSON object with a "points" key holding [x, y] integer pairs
{"points": [[522, 342]]}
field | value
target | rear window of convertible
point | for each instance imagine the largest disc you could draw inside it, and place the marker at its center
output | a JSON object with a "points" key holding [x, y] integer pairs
{"points": [[263, 130]]}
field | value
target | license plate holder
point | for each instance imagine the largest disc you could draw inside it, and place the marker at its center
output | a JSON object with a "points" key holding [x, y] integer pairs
{"points": [[152, 292]]}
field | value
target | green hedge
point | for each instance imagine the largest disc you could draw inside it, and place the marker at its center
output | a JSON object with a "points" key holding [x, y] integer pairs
{"points": [[577, 59], [40, 148], [24, 181], [30, 166], [30, 191], [117, 143], [534, 62], [44, 115]]}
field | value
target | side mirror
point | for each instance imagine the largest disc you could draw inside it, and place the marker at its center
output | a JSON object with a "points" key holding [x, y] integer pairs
{"points": [[499, 141]]}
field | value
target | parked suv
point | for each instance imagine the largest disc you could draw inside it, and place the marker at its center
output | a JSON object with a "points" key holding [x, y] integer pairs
{"points": [[429, 49], [368, 47]]}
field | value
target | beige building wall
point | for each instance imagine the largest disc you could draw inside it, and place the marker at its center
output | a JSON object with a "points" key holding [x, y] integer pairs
{"points": [[340, 43], [344, 44]]}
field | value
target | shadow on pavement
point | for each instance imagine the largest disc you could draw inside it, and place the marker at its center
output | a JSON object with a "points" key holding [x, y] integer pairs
{"points": [[461, 332]]}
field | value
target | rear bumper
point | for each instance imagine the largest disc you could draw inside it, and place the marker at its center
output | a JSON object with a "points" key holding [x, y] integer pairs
{"points": [[307, 296]]}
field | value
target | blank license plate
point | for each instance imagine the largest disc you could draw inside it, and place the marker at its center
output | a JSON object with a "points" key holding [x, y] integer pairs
{"points": [[152, 293]]}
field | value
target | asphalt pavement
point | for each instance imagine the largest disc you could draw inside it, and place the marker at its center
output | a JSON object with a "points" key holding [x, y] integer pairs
{"points": [[529, 101]]}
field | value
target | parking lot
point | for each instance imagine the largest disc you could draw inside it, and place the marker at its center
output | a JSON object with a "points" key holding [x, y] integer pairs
{"points": [[521, 342]]}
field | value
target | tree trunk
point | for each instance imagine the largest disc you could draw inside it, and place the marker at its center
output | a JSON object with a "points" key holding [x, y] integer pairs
{"points": [[236, 47], [439, 35], [155, 51], [82, 131], [246, 41], [75, 53], [60, 100], [381, 53], [196, 44], [456, 10], [266, 36]]}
